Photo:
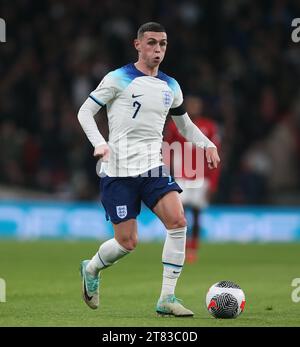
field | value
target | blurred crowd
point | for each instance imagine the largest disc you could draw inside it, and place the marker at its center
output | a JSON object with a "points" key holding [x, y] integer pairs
{"points": [[236, 55]]}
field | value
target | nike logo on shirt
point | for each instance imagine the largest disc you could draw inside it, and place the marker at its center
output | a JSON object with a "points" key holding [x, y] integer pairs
{"points": [[136, 96]]}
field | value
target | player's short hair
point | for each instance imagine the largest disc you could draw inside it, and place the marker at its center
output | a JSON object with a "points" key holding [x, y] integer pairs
{"points": [[150, 26]]}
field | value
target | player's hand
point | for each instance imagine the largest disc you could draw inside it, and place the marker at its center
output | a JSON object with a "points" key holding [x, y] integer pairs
{"points": [[102, 152], [212, 157]]}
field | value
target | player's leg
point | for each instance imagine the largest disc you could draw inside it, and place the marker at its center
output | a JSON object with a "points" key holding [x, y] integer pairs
{"points": [[192, 242], [170, 211], [122, 205], [124, 241], [189, 198], [198, 199]]}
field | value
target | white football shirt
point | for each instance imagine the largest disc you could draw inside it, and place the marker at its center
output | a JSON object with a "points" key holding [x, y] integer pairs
{"points": [[137, 107]]}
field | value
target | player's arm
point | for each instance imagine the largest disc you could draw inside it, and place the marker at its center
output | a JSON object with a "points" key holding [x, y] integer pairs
{"points": [[105, 92], [86, 119], [193, 134]]}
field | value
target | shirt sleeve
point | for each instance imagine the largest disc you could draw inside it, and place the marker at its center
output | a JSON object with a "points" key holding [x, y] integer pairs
{"points": [[106, 90], [178, 97], [86, 119], [191, 132]]}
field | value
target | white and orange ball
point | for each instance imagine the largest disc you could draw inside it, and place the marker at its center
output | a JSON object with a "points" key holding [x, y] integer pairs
{"points": [[225, 299]]}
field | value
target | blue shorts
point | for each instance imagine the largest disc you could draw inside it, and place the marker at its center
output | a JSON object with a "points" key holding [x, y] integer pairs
{"points": [[122, 196]]}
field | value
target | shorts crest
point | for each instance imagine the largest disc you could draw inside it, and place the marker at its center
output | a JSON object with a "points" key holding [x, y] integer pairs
{"points": [[122, 211]]}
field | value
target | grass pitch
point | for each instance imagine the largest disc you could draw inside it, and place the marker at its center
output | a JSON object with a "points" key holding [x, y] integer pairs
{"points": [[43, 286]]}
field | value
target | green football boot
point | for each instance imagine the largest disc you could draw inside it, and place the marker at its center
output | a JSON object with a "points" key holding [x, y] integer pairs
{"points": [[171, 306], [90, 286]]}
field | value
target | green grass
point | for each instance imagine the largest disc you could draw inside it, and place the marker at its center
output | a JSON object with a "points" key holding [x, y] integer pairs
{"points": [[44, 288]]}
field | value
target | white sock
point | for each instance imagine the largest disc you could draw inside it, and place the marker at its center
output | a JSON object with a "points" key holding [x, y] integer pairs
{"points": [[109, 253], [173, 259]]}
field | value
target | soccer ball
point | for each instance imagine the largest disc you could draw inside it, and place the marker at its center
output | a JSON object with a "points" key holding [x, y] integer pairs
{"points": [[225, 299]]}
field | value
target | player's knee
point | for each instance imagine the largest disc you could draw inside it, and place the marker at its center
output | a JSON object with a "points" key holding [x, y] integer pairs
{"points": [[177, 222], [129, 243]]}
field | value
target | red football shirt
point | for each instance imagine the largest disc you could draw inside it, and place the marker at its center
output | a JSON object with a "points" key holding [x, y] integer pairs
{"points": [[210, 130]]}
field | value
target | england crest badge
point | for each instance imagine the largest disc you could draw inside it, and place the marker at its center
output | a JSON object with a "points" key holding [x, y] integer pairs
{"points": [[122, 211], [167, 98]]}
